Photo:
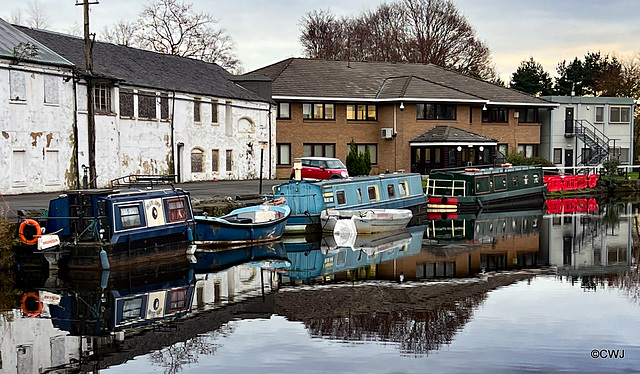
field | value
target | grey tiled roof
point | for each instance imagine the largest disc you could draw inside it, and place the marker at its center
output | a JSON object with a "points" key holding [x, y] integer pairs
{"points": [[442, 134], [315, 78], [10, 37], [142, 68]]}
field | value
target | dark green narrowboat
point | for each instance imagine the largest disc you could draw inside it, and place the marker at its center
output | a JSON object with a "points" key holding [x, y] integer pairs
{"points": [[494, 188]]}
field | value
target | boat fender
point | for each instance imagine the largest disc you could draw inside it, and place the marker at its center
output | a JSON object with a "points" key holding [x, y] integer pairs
{"points": [[23, 226], [104, 261], [189, 234], [31, 304]]}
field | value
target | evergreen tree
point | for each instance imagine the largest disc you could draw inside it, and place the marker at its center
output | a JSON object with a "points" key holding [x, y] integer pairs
{"points": [[366, 157], [352, 160], [531, 78]]}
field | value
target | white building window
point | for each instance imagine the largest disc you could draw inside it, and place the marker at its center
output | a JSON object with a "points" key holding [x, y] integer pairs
{"points": [[51, 89], [197, 161], [17, 86], [229, 160], [102, 98], [620, 114], [18, 162], [52, 163], [599, 114]]}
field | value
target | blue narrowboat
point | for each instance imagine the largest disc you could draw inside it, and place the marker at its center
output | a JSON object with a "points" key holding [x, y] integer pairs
{"points": [[307, 199], [100, 228]]}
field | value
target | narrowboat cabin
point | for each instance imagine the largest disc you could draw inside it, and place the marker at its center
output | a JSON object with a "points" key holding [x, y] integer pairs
{"points": [[471, 190], [96, 229], [307, 199]]}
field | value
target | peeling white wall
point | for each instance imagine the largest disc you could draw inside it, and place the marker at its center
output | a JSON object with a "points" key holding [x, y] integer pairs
{"points": [[33, 343], [36, 138]]}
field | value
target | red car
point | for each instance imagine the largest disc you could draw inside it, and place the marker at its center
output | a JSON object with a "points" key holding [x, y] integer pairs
{"points": [[322, 168]]}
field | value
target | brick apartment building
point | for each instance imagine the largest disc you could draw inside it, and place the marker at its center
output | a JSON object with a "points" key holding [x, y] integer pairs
{"points": [[413, 117]]}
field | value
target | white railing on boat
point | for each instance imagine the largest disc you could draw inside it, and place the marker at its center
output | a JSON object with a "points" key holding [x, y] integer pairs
{"points": [[449, 185]]}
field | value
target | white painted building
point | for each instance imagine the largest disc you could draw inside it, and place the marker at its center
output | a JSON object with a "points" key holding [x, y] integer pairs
{"points": [[153, 114], [607, 120]]}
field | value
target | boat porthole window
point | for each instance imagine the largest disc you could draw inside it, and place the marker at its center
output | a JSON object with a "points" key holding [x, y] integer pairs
{"points": [[491, 227], [340, 196], [359, 194], [504, 182], [478, 228], [504, 226], [525, 179], [524, 223], [514, 224]]}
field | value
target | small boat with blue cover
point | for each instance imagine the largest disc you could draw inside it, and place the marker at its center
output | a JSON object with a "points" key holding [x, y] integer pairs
{"points": [[307, 199], [248, 225]]}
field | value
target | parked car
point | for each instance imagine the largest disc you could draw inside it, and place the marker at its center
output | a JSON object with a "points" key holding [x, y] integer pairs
{"points": [[322, 168]]}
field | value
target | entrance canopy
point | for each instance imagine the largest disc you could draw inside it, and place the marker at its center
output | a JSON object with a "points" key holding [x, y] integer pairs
{"points": [[448, 146], [451, 136]]}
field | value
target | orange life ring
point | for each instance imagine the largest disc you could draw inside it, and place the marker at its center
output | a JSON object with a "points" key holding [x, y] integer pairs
{"points": [[23, 225], [31, 304]]}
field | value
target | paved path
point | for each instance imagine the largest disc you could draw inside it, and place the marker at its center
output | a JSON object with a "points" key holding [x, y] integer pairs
{"points": [[10, 204]]}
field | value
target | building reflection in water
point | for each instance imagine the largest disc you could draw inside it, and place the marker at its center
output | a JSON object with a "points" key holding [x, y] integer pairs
{"points": [[102, 319], [587, 243]]}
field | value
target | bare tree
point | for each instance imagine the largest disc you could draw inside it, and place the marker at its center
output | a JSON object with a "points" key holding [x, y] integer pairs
{"points": [[16, 17], [123, 33], [420, 31], [171, 26], [37, 15]]}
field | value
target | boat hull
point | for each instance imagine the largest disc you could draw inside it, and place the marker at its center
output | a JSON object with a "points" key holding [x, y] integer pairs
{"points": [[368, 221]]}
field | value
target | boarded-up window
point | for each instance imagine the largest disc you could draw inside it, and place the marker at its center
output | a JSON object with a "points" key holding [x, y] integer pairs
{"points": [[18, 166], [81, 94], [214, 112], [146, 104], [197, 157], [215, 156], [126, 103], [51, 89], [164, 106], [229, 160], [196, 110], [52, 163], [17, 85]]}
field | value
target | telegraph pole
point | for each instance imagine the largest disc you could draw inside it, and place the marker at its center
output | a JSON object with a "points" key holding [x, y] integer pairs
{"points": [[88, 61]]}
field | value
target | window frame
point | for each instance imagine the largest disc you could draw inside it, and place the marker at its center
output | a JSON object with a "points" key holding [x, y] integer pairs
{"points": [[215, 160], [228, 160], [202, 160], [324, 149], [279, 160], [149, 99], [314, 106], [438, 108], [361, 147], [495, 115], [126, 96], [356, 112], [557, 158], [534, 149], [176, 210], [102, 98], [279, 114], [523, 115], [197, 110], [620, 109], [599, 108]]}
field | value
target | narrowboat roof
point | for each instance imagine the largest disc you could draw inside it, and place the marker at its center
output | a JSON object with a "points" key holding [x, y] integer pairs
{"points": [[331, 182], [474, 171]]}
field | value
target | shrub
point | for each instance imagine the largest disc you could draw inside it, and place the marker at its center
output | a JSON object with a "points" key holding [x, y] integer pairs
{"points": [[518, 159], [358, 164]]}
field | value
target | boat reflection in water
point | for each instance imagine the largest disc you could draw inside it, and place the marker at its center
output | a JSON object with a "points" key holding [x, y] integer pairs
{"points": [[97, 319], [326, 260]]}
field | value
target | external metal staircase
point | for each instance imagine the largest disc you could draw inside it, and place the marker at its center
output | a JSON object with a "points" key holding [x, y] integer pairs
{"points": [[596, 143]]}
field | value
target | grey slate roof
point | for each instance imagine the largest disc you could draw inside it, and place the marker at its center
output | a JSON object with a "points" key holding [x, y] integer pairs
{"points": [[148, 69], [10, 37], [315, 78], [450, 134]]}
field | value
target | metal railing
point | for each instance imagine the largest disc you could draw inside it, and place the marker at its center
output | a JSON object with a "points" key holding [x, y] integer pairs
{"points": [[446, 187]]}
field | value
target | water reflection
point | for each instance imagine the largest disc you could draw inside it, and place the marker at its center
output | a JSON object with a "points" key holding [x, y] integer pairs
{"points": [[178, 313]]}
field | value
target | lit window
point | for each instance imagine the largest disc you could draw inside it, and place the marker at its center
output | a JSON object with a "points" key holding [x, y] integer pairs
{"points": [[362, 112], [317, 111]]}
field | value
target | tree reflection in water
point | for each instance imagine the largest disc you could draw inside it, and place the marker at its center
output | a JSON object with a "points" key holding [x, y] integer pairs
{"points": [[174, 357], [420, 317]]}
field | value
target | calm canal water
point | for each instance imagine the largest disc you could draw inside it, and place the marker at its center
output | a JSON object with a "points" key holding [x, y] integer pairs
{"points": [[497, 293]]}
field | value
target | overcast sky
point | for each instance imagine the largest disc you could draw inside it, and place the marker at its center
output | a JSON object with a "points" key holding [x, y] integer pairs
{"points": [[266, 32]]}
